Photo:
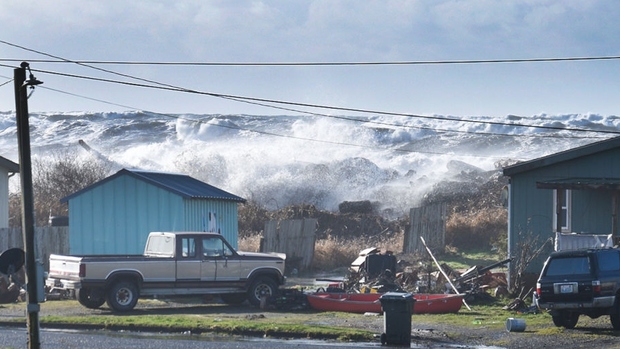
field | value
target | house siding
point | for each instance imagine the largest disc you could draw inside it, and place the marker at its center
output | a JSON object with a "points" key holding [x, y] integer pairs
{"points": [[226, 221], [531, 208], [117, 216], [4, 198]]}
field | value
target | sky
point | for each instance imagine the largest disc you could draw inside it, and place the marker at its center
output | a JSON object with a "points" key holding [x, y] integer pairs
{"points": [[315, 31]]}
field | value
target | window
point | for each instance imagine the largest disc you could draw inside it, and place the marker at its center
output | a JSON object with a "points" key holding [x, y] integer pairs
{"points": [[188, 246], [565, 213], [608, 261], [212, 247], [568, 266]]}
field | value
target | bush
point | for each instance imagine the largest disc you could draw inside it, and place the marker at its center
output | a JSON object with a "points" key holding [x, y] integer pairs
{"points": [[53, 178], [482, 228]]}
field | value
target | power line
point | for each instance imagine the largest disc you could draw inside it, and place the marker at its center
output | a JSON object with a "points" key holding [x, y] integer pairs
{"points": [[439, 130], [254, 100], [302, 138], [237, 128], [333, 116], [260, 101], [368, 63], [269, 102], [6, 82]]}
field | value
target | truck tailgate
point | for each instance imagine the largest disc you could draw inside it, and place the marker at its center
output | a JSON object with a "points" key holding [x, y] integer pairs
{"points": [[64, 266]]}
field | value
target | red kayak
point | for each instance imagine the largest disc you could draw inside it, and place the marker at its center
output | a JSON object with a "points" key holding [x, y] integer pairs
{"points": [[370, 303]]}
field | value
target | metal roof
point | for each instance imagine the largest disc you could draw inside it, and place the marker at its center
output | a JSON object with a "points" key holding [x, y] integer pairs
{"points": [[566, 155], [9, 165], [180, 184]]}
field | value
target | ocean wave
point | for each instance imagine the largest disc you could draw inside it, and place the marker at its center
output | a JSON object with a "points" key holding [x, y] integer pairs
{"points": [[319, 160]]}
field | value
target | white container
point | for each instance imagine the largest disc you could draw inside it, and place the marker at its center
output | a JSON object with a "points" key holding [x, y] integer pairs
{"points": [[515, 325]]}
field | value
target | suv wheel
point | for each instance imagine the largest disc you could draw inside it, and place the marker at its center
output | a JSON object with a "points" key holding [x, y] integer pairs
{"points": [[615, 316], [565, 318]]}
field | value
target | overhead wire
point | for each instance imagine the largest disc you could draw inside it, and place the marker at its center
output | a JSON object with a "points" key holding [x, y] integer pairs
{"points": [[244, 99], [258, 101], [266, 102], [254, 100], [238, 128], [333, 63]]}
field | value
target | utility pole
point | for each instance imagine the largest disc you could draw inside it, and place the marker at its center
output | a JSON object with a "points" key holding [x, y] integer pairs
{"points": [[25, 171]]}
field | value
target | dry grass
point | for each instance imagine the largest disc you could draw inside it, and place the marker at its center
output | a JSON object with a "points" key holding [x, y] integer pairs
{"points": [[335, 252], [250, 243], [475, 229]]}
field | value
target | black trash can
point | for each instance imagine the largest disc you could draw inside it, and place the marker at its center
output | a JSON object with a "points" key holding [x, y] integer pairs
{"points": [[397, 309]]}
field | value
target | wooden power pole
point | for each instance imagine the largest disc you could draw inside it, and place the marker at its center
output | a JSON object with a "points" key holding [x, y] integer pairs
{"points": [[25, 171]]}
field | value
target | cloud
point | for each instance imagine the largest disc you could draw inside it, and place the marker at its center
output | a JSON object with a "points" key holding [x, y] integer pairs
{"points": [[329, 31]]}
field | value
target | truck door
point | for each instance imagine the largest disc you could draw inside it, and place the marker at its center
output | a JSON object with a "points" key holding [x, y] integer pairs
{"points": [[211, 252], [188, 261], [216, 251], [229, 266]]}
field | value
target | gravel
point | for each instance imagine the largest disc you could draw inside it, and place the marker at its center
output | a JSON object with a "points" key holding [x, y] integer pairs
{"points": [[588, 333]]}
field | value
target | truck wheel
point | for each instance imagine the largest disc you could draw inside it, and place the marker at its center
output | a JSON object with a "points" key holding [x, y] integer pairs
{"points": [[566, 319], [234, 298], [261, 287], [90, 298], [122, 296]]}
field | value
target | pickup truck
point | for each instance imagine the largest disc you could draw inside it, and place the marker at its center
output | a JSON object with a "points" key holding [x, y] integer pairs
{"points": [[173, 264], [580, 282]]}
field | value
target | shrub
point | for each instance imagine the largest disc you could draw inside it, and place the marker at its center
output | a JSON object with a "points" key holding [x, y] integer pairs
{"points": [[54, 177], [477, 229]]}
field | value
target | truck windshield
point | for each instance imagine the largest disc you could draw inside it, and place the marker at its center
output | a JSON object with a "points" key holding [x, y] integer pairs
{"points": [[568, 266]]}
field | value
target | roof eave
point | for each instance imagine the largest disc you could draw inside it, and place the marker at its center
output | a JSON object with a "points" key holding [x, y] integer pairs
{"points": [[562, 156]]}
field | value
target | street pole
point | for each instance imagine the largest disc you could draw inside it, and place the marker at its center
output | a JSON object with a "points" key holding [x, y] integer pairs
{"points": [[25, 171]]}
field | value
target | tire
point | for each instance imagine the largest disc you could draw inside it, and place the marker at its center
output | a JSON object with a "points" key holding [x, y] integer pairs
{"points": [[614, 317], [566, 319], [122, 296], [261, 287], [234, 298], [90, 298]]}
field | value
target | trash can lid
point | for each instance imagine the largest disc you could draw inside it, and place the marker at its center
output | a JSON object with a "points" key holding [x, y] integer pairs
{"points": [[396, 296]]}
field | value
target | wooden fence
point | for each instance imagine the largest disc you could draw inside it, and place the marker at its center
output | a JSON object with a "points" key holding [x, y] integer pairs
{"points": [[48, 240], [428, 222], [294, 237]]}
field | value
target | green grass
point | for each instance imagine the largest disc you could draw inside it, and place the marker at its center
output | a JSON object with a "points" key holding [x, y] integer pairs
{"points": [[306, 324], [216, 319], [219, 324], [470, 258], [490, 316]]}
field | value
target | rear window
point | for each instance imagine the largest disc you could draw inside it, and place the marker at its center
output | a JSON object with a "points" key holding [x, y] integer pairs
{"points": [[160, 245], [568, 266]]}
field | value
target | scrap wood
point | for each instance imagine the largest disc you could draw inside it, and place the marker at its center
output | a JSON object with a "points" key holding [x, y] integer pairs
{"points": [[479, 270], [441, 270]]}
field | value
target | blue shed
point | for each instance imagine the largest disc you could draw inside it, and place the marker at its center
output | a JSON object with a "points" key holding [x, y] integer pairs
{"points": [[574, 191], [116, 214]]}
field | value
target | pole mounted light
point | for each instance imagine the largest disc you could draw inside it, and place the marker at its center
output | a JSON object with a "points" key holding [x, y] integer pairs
{"points": [[32, 81], [25, 171]]}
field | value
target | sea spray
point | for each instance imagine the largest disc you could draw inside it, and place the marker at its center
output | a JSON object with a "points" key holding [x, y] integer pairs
{"points": [[320, 160]]}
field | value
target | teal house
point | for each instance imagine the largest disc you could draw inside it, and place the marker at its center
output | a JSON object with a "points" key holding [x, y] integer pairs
{"points": [[574, 191], [116, 214]]}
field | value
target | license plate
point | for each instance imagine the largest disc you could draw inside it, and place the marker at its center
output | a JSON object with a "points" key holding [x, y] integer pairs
{"points": [[566, 288]]}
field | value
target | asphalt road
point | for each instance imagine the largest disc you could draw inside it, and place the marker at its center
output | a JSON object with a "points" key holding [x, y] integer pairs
{"points": [[50, 339]]}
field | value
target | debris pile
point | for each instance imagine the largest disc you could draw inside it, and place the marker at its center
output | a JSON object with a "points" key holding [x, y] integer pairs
{"points": [[374, 271]]}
